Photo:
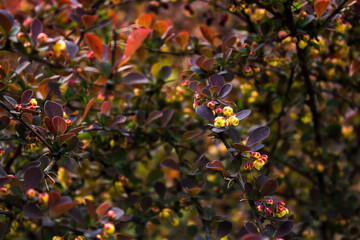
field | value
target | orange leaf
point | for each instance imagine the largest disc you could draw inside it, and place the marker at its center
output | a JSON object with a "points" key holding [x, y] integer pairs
{"points": [[160, 28], [105, 107], [216, 165], [133, 43], [102, 209], [95, 44], [87, 20], [87, 108], [320, 7], [44, 90], [182, 39], [207, 33], [145, 20], [60, 125]]}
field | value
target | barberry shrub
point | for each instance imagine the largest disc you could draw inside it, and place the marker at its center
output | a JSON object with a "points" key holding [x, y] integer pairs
{"points": [[132, 119]]}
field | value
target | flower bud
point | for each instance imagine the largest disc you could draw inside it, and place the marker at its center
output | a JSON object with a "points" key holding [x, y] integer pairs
{"points": [[270, 202], [219, 122], [302, 44], [195, 104], [110, 214], [109, 228], [228, 111], [100, 97], [33, 102], [2, 152], [219, 111], [31, 193], [80, 238], [59, 46], [234, 120], [185, 83], [197, 96], [18, 107], [165, 213], [42, 37], [268, 211], [259, 208], [57, 238], [248, 71], [43, 199], [306, 37], [211, 105], [281, 203], [248, 166], [68, 122], [258, 164], [174, 222], [256, 155]]}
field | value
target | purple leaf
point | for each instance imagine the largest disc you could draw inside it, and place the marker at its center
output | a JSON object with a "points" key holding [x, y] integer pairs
{"points": [[160, 189], [32, 211], [192, 85], [4, 122], [32, 177], [169, 163], [166, 117], [225, 90], [36, 29], [269, 187], [250, 227], [258, 135], [53, 109], [205, 113], [71, 48], [243, 114], [216, 80], [153, 115], [135, 78], [26, 96], [284, 229]]}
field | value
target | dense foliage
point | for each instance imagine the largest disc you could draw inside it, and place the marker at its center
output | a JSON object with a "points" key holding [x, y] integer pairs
{"points": [[186, 119]]}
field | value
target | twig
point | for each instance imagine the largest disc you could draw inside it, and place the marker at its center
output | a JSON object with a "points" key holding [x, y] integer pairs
{"points": [[201, 212], [337, 10]]}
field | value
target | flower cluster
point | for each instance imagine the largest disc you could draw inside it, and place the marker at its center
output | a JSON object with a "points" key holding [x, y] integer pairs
{"points": [[32, 105], [226, 116], [272, 208], [258, 160]]}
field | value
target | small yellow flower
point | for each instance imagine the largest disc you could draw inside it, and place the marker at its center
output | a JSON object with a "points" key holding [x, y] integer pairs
{"points": [[228, 111], [219, 122], [59, 46]]}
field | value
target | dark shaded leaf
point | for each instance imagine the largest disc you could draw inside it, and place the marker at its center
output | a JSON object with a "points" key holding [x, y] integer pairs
{"points": [[160, 189], [189, 135], [169, 163], [250, 227], [269, 187], [135, 78], [32, 211], [192, 85], [225, 90], [166, 117], [234, 135], [10, 100], [146, 202], [50, 126], [119, 119], [257, 147], [205, 113], [93, 233], [249, 189], [216, 165], [65, 137], [2, 171], [219, 130], [118, 213], [4, 122], [243, 114], [54, 199], [53, 109], [22, 67], [284, 229], [26, 96], [63, 207], [165, 72], [253, 236], [94, 44], [90, 208], [258, 135], [223, 229], [59, 124], [76, 214], [241, 147], [6, 21], [32, 177]]}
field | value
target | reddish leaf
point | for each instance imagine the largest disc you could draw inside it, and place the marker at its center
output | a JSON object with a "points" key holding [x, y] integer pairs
{"points": [[182, 39], [60, 125], [95, 44], [216, 165], [102, 209], [320, 7], [160, 28], [90, 207], [6, 21], [32, 211], [36, 29], [64, 137], [50, 126], [208, 64], [216, 80], [106, 107], [269, 187], [87, 108], [62, 208], [135, 78], [134, 41], [54, 199], [241, 147], [119, 119], [166, 117], [145, 20], [88, 20], [207, 33], [76, 130], [253, 236]]}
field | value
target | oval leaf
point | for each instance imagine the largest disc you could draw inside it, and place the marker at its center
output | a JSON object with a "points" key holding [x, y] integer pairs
{"points": [[4, 122], [169, 163], [87, 108], [53, 109], [207, 33], [154, 115], [182, 39], [62, 208], [102, 209], [106, 107], [320, 7], [216, 165], [32, 177], [94, 44], [205, 113], [59, 124], [145, 20], [32, 211], [135, 78], [26, 96], [224, 228], [225, 90], [269, 187], [258, 135], [243, 114], [135, 40], [284, 229]]}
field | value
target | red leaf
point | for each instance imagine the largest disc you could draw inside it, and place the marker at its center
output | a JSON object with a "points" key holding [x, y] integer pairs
{"points": [[62, 208], [49, 125], [95, 44], [320, 7], [87, 20], [160, 28], [106, 107], [54, 199], [87, 108]]}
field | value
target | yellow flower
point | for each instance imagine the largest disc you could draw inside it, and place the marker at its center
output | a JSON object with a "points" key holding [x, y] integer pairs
{"points": [[228, 111], [219, 122]]}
